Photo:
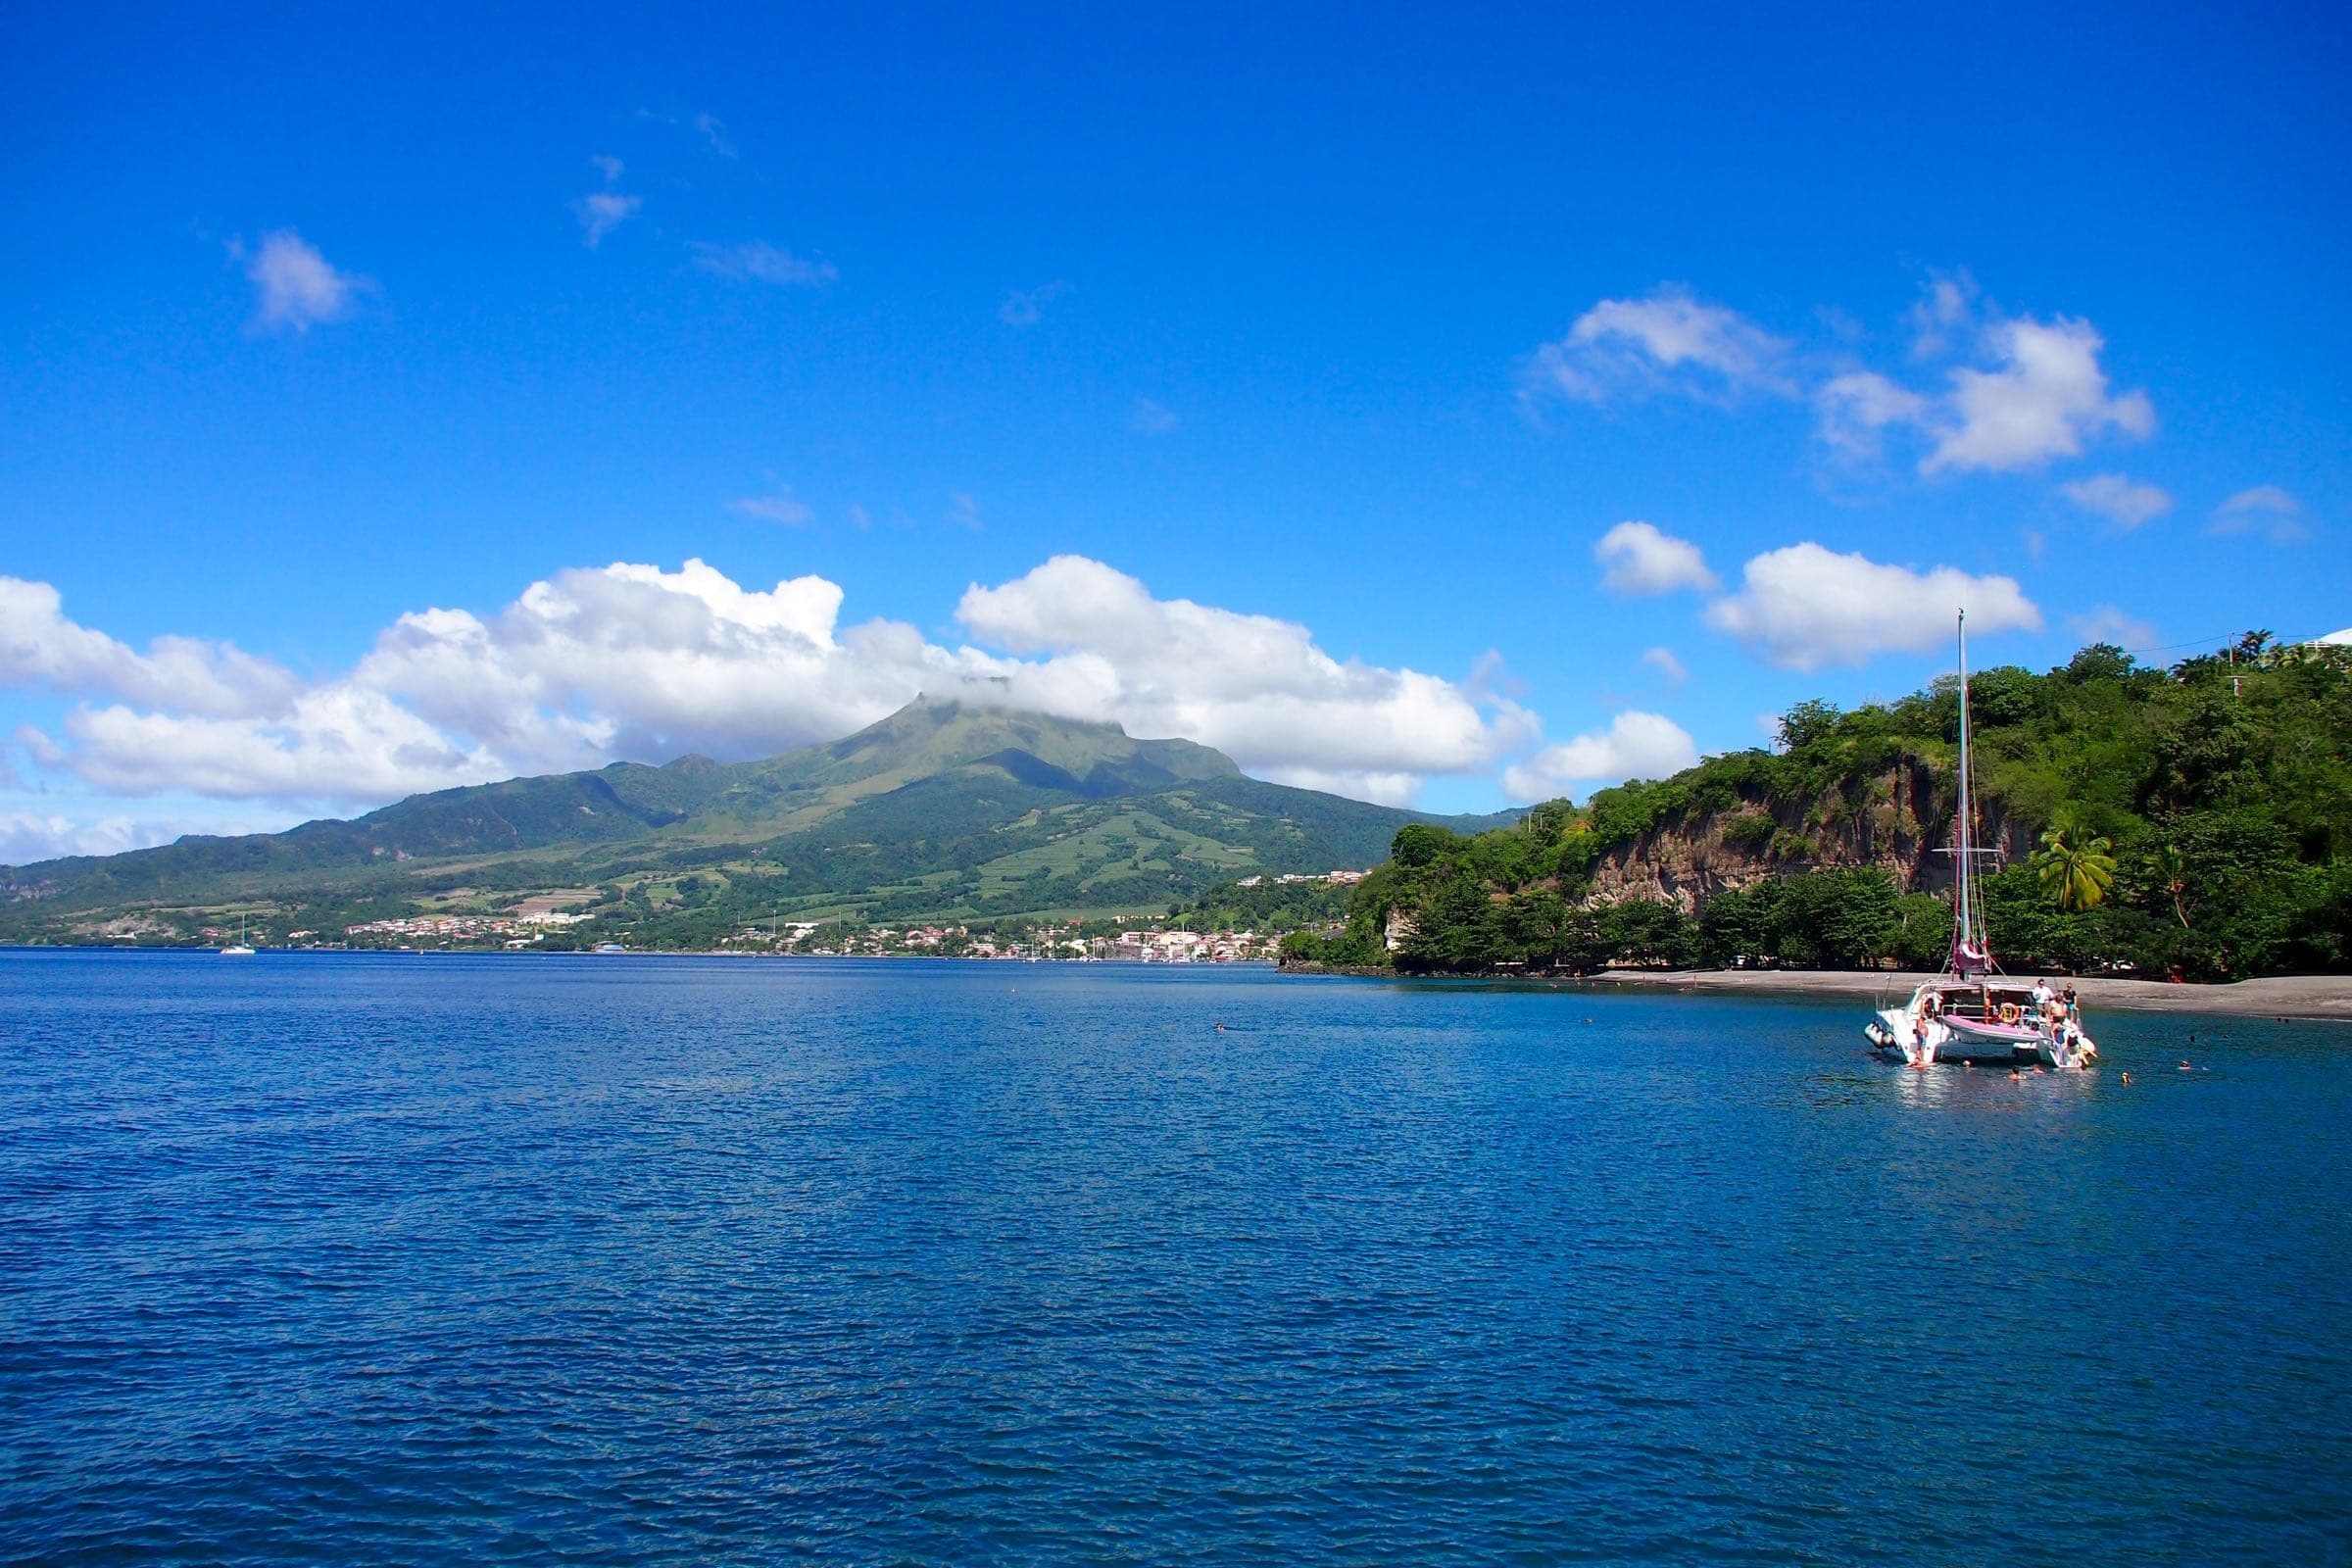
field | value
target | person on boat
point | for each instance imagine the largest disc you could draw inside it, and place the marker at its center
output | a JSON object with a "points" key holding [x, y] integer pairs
{"points": [[2073, 1008]]}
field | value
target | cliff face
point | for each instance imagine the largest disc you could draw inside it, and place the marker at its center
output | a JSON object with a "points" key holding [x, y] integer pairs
{"points": [[1898, 822]]}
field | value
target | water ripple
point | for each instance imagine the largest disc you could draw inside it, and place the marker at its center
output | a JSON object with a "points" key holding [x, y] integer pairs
{"points": [[639, 1262]]}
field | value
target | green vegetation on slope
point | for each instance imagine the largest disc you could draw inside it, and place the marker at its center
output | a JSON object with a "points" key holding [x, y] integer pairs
{"points": [[939, 811], [2222, 787]]}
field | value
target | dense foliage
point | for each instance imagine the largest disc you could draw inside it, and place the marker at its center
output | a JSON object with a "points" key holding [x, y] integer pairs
{"points": [[1273, 905], [2195, 821]]}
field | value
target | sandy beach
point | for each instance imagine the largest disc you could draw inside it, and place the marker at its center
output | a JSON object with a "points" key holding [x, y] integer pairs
{"points": [[2281, 997]]}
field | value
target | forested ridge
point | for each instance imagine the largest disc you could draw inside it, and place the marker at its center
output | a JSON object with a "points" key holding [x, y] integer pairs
{"points": [[2195, 821]]}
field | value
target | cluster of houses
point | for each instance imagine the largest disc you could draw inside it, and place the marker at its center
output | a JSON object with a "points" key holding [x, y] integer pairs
{"points": [[1061, 942], [518, 930], [1333, 878]]}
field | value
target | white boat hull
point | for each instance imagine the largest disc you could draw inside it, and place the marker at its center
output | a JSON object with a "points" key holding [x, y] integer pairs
{"points": [[1918, 1038]]}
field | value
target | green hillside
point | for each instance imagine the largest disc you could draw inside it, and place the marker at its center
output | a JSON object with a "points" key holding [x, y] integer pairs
{"points": [[939, 811], [2193, 821]]}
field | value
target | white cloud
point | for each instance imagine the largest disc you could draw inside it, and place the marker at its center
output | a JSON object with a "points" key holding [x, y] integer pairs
{"points": [[296, 288], [601, 212], [1641, 560], [1257, 688], [2266, 507], [1854, 409], [2263, 498], [30, 837], [757, 262], [2126, 503], [1026, 307], [607, 166], [1804, 607], [1636, 745], [2044, 396], [336, 743], [1150, 417], [2104, 624], [41, 648], [632, 661], [2035, 393], [1668, 341], [783, 507], [715, 135], [1946, 307], [1662, 661]]}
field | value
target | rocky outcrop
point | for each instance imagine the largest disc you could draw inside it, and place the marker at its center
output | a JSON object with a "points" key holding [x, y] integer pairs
{"points": [[1899, 822]]}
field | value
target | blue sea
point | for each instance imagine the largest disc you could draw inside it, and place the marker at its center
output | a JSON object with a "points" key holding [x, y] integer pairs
{"points": [[434, 1260]]}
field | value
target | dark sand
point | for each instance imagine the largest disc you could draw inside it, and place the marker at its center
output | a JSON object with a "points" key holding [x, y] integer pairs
{"points": [[2284, 997]]}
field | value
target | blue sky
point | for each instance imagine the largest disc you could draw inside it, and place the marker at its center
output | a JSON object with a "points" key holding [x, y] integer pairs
{"points": [[1331, 344]]}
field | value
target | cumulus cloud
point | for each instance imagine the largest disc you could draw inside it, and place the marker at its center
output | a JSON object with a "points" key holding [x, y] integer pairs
{"points": [[1641, 560], [296, 288], [634, 661], [43, 649], [2029, 392], [759, 262], [1855, 409], [2043, 397], [1092, 642], [1667, 341], [2266, 507], [1636, 745], [2123, 502], [2104, 624], [1804, 607], [30, 837], [1026, 307]]}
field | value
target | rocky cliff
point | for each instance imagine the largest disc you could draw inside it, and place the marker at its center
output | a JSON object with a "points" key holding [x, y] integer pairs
{"points": [[1899, 821]]}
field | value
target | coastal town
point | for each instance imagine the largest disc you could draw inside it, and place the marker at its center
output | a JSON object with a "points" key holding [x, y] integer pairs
{"points": [[540, 923], [1082, 942]]}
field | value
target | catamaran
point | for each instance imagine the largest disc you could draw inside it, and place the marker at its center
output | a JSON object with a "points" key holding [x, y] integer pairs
{"points": [[1971, 1012]]}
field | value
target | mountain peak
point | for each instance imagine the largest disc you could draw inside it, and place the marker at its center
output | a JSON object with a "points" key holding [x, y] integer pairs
{"points": [[936, 734]]}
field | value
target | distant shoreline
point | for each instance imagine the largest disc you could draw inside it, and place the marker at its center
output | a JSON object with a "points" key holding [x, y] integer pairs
{"points": [[2298, 996]]}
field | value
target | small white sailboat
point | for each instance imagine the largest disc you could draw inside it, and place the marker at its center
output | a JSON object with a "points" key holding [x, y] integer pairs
{"points": [[1971, 1012], [238, 948]]}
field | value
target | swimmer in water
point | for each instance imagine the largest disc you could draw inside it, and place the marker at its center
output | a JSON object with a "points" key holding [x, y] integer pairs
{"points": [[2185, 1067], [2127, 1077]]}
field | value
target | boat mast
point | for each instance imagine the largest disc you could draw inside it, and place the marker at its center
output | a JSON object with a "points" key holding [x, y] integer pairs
{"points": [[1967, 951]]}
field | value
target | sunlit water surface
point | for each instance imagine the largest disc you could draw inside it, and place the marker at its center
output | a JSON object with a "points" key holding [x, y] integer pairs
{"points": [[623, 1260]]}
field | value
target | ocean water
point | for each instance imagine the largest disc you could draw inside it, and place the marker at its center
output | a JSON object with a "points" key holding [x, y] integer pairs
{"points": [[438, 1259]]}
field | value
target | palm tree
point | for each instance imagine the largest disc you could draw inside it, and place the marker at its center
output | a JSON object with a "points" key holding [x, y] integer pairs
{"points": [[2075, 875], [2172, 871]]}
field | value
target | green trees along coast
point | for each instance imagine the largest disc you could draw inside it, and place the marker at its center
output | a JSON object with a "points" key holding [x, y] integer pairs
{"points": [[2195, 821]]}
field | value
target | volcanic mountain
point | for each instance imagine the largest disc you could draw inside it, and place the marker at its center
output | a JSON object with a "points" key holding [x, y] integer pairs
{"points": [[940, 810]]}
